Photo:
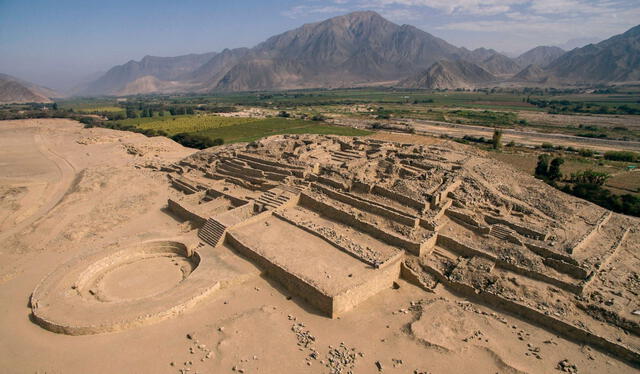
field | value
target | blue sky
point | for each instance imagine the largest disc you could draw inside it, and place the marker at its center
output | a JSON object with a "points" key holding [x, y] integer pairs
{"points": [[57, 43]]}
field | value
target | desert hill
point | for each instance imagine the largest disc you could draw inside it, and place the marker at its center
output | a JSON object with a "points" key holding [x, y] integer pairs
{"points": [[162, 68], [449, 74], [540, 56], [498, 64], [14, 90], [532, 73], [616, 59]]}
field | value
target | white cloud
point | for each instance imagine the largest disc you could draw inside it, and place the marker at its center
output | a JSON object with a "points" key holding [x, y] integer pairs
{"points": [[303, 10], [457, 7]]}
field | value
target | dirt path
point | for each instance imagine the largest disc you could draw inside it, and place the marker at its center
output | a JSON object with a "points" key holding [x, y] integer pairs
{"points": [[523, 137], [56, 187]]}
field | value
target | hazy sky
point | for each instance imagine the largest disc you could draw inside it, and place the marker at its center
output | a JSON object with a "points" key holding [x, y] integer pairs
{"points": [[57, 43]]}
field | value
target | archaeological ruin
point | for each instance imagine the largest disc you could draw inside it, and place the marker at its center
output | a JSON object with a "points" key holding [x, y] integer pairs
{"points": [[335, 220]]}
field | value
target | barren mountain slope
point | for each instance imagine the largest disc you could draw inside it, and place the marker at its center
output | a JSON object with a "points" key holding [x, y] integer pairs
{"points": [[14, 90], [449, 75], [541, 56], [616, 59]]}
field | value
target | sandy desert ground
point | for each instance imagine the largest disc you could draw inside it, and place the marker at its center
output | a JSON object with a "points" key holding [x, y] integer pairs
{"points": [[67, 192]]}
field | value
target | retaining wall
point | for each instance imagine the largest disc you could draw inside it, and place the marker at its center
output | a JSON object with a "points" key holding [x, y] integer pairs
{"points": [[520, 229], [577, 244], [369, 207], [234, 200], [290, 281], [468, 251], [419, 205], [556, 325], [349, 219], [184, 213], [447, 186]]}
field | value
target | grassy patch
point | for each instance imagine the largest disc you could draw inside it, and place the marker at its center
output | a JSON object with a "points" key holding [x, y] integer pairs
{"points": [[185, 124], [100, 109], [236, 129]]}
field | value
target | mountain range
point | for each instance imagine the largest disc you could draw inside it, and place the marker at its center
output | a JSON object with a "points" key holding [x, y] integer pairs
{"points": [[365, 49], [14, 90]]}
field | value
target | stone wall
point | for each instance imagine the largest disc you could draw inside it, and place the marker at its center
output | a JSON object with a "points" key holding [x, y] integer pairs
{"points": [[291, 282], [468, 220], [521, 229], [370, 207], [556, 325], [468, 251], [183, 212], [581, 241], [236, 202], [349, 219], [405, 200]]}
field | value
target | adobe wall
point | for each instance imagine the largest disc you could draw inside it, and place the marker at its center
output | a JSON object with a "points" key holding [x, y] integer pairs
{"points": [[261, 160], [467, 220], [184, 213], [519, 228], [468, 251], [334, 243], [405, 200], [369, 207], [349, 219], [578, 243], [383, 279], [332, 183], [449, 185], [531, 315], [291, 282]]}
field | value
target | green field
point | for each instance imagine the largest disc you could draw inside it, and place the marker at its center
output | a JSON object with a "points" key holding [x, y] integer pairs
{"points": [[100, 109], [186, 123], [236, 129], [251, 131]]}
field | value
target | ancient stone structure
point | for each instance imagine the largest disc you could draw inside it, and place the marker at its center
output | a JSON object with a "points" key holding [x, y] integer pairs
{"points": [[335, 220]]}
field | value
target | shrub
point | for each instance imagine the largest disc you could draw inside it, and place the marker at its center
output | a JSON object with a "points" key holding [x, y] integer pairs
{"points": [[621, 156], [496, 141], [547, 145], [590, 177], [318, 117], [542, 168], [586, 152], [554, 169], [195, 141]]}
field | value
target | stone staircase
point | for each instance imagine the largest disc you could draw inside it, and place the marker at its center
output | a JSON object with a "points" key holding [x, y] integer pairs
{"points": [[500, 232], [344, 156], [212, 232], [503, 232], [271, 200]]}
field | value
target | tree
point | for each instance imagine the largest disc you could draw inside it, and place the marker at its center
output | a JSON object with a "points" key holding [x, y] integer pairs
{"points": [[590, 177], [131, 113], [554, 170], [542, 168], [284, 114], [55, 106], [496, 141]]}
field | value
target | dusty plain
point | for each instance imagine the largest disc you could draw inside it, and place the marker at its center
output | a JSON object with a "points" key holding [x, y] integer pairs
{"points": [[70, 195]]}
